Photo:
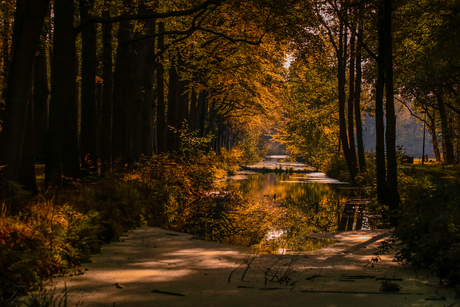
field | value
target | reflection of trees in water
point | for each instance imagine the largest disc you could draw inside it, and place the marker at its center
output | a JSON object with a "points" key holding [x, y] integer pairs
{"points": [[267, 225]]}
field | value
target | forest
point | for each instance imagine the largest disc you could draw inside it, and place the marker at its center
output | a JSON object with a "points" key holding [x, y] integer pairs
{"points": [[123, 112]]}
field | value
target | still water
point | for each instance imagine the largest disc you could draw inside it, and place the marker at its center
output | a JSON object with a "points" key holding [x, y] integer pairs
{"points": [[283, 209], [306, 188]]}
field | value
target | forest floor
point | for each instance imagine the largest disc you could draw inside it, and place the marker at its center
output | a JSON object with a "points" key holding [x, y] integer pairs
{"points": [[155, 267]]}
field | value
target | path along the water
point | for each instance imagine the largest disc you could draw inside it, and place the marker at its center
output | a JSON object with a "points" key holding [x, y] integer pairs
{"points": [[156, 267]]}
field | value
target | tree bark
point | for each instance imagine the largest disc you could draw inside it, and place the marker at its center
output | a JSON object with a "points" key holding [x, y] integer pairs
{"points": [[173, 109], [341, 70], [351, 98], [379, 114], [107, 76], [448, 148], [148, 101], [359, 125], [161, 107], [27, 28], [390, 136], [121, 116], [88, 134], [40, 99]]}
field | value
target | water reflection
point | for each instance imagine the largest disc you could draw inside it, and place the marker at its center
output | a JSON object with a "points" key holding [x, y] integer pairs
{"points": [[314, 187], [277, 212]]}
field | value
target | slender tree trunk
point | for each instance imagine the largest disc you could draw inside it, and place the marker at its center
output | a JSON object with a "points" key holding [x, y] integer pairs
{"points": [[359, 125], [390, 136], [27, 28], [203, 111], [6, 30], [148, 101], [341, 57], [138, 65], [161, 106], [71, 154], [88, 134], [27, 168], [379, 114], [194, 111], [40, 98], [448, 148], [434, 139], [351, 98], [121, 117], [106, 120], [173, 109]]}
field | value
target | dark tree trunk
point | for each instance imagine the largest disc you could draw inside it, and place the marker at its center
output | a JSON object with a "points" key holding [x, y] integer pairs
{"points": [[434, 139], [203, 112], [5, 58], [27, 168], [173, 109], [379, 114], [88, 134], [341, 69], [120, 137], [71, 154], [148, 101], [107, 76], [161, 107], [138, 61], [448, 148], [40, 98], [351, 98], [359, 126], [390, 136], [27, 28], [194, 111]]}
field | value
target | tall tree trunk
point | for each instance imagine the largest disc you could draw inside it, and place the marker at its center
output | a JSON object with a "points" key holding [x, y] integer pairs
{"points": [[359, 125], [137, 97], [148, 101], [173, 109], [27, 28], [27, 168], [6, 30], [379, 114], [71, 154], [434, 139], [40, 98], [194, 111], [351, 98], [161, 128], [121, 86], [88, 134], [341, 69], [448, 148], [203, 112], [390, 136], [107, 76]]}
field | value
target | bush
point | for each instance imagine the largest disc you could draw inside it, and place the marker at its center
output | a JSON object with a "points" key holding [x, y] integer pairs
{"points": [[428, 235]]}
